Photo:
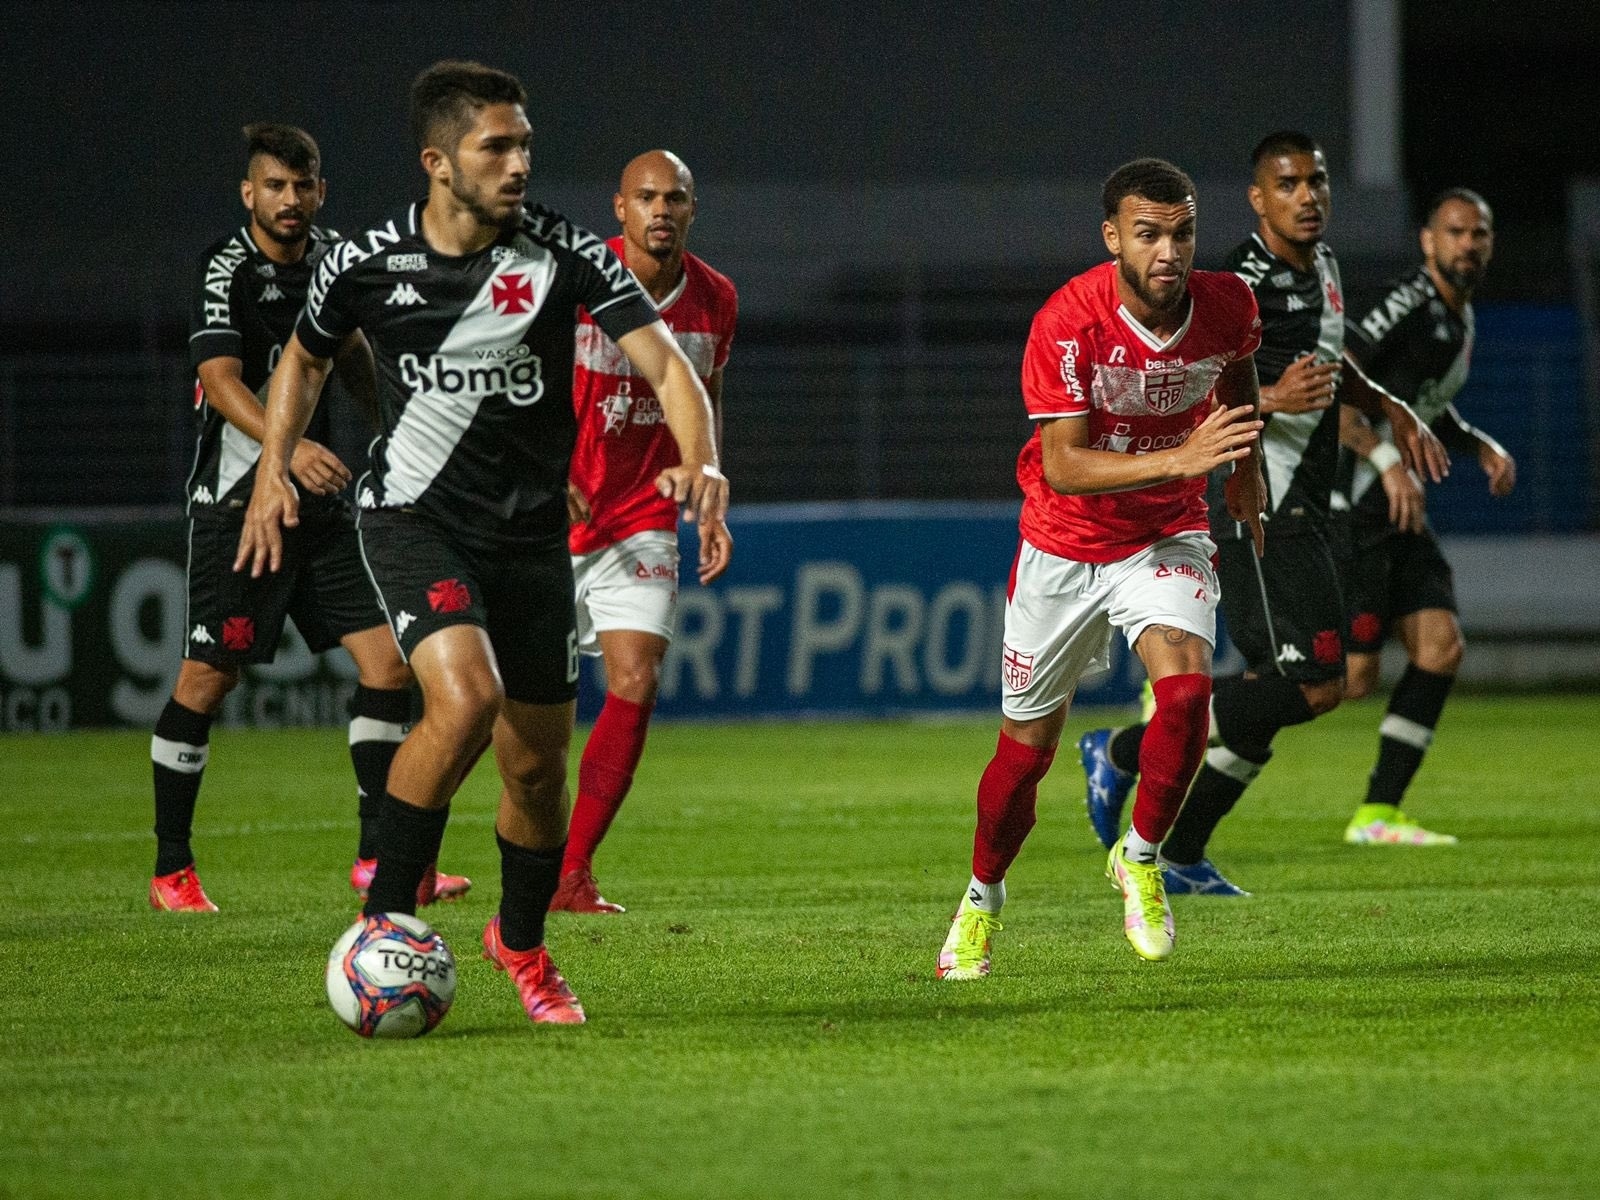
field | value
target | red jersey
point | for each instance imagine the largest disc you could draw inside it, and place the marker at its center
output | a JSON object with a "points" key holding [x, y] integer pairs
{"points": [[623, 440], [1088, 358]]}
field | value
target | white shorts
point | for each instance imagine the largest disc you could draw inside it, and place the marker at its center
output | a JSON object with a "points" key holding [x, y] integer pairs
{"points": [[632, 584], [1061, 612]]}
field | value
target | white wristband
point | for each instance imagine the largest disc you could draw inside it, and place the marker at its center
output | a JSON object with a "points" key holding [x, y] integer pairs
{"points": [[1383, 456], [711, 472]]}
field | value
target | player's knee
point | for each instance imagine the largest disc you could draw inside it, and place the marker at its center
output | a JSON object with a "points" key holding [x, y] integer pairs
{"points": [[467, 706], [1442, 655], [1361, 677], [534, 777], [1325, 696], [202, 687], [1184, 699], [635, 680]]}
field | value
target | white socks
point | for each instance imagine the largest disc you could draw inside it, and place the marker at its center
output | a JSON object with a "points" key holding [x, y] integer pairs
{"points": [[990, 897]]}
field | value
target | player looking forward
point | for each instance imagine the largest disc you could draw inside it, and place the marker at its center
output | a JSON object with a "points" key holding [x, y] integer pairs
{"points": [[470, 303], [624, 538], [1416, 341], [1284, 610], [251, 287], [1139, 376]]}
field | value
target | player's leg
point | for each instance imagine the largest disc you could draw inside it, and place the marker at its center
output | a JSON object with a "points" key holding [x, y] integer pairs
{"points": [[1421, 595], [1055, 631], [179, 751], [380, 713], [1285, 613], [626, 598], [231, 621]]}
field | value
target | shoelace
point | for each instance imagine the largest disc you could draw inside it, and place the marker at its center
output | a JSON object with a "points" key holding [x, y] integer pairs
{"points": [[977, 927]]}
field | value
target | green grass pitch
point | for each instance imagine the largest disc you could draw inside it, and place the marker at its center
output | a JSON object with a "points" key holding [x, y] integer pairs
{"points": [[764, 1021]]}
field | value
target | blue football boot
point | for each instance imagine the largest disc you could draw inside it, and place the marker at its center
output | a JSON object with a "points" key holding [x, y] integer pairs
{"points": [[1200, 879], [1108, 787]]}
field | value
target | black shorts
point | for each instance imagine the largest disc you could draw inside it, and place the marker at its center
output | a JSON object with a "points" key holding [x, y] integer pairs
{"points": [[427, 581], [234, 619], [1296, 629], [1390, 574]]}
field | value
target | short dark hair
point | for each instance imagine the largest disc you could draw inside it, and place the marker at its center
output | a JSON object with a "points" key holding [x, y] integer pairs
{"points": [[1153, 179], [1283, 141], [293, 147], [1456, 193], [446, 97]]}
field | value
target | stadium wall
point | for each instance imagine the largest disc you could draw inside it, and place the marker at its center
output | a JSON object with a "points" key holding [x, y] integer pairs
{"points": [[871, 609]]}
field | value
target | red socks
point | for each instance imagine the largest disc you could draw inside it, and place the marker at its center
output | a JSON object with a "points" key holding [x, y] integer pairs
{"points": [[605, 773], [1174, 743], [1006, 796]]}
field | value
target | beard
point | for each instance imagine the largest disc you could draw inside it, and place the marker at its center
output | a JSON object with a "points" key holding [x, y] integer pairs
{"points": [[475, 203], [1141, 289], [284, 237], [1463, 274]]}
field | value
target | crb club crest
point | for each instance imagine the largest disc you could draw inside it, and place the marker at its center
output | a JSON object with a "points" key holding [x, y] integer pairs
{"points": [[614, 408], [1017, 667], [1163, 390]]}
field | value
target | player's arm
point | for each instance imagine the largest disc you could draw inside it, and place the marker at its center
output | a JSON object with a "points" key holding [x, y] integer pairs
{"points": [[1305, 386], [1463, 438], [312, 463], [716, 543], [698, 483], [1419, 448], [1072, 468], [292, 394], [1238, 390], [1406, 500], [359, 374]]}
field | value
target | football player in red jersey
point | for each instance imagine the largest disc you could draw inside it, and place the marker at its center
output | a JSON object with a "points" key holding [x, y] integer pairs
{"points": [[624, 538], [1140, 377]]}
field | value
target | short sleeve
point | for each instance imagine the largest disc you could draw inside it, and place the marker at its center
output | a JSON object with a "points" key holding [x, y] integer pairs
{"points": [[1055, 367], [609, 291], [330, 313], [728, 317], [213, 326]]}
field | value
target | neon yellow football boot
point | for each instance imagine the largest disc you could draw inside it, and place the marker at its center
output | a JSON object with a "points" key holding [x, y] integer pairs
{"points": [[1146, 915], [966, 950]]}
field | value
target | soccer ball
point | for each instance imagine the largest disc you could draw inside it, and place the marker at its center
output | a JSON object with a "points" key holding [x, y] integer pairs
{"points": [[391, 976]]}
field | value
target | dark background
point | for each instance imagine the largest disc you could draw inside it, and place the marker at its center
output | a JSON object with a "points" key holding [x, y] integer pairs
{"points": [[894, 188]]}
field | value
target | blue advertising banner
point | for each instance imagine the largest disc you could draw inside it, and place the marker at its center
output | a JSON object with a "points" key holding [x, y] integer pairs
{"points": [[866, 608]]}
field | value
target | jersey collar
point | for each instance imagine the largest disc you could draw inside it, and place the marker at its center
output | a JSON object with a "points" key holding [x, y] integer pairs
{"points": [[1150, 339]]}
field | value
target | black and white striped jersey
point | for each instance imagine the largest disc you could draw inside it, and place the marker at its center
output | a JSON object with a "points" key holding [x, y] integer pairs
{"points": [[474, 359], [1414, 346], [244, 307], [1302, 312]]}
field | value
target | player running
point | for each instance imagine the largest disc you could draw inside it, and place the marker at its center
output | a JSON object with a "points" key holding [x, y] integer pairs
{"points": [[1416, 341], [1140, 377], [251, 287], [1284, 609], [469, 302], [624, 538]]}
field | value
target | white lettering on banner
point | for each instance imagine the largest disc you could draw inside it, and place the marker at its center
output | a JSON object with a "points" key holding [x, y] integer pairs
{"points": [[29, 710], [810, 635], [277, 705], [894, 629], [154, 658], [700, 626], [945, 678], [51, 659], [752, 604]]}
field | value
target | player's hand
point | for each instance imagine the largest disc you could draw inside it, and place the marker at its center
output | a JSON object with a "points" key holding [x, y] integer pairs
{"points": [[1225, 436], [578, 510], [317, 468], [701, 488], [1246, 495], [274, 507], [1406, 500], [1420, 448], [716, 550], [1501, 469], [1305, 386]]}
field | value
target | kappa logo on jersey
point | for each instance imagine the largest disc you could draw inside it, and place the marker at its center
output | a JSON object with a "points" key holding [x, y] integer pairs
{"points": [[449, 596], [202, 495], [519, 376], [405, 295], [238, 633], [1290, 653], [512, 294], [399, 264], [1295, 304], [402, 622], [1018, 668], [201, 636], [271, 292], [615, 410], [367, 499]]}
